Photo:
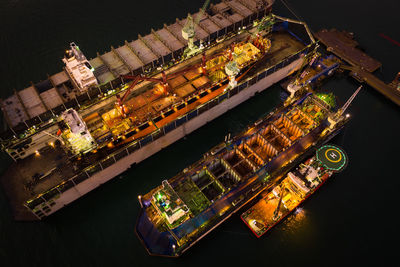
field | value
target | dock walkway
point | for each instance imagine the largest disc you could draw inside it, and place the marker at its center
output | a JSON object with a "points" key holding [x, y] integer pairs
{"points": [[364, 76], [361, 65]]}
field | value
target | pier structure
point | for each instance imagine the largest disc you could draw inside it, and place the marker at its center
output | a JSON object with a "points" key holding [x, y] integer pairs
{"points": [[361, 66]]}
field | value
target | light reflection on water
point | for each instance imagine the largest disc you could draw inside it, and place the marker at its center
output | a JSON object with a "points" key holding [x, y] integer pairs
{"points": [[295, 221]]}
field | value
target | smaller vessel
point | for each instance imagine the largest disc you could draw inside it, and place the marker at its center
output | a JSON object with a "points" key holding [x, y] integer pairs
{"points": [[318, 68], [296, 187]]}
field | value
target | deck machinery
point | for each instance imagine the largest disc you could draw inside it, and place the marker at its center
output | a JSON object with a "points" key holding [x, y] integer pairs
{"points": [[185, 208], [68, 136]]}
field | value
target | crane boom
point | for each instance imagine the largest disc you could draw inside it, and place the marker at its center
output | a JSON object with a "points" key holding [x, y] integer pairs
{"points": [[348, 102], [135, 80], [201, 13]]}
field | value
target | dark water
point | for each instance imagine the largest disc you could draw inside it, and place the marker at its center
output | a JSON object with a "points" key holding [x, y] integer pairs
{"points": [[351, 220]]}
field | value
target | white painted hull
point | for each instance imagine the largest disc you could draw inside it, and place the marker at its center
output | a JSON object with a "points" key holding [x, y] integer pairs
{"points": [[151, 148]]}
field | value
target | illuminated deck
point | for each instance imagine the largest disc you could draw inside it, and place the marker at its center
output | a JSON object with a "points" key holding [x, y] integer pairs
{"points": [[279, 201], [22, 185], [154, 120], [41, 101], [219, 184]]}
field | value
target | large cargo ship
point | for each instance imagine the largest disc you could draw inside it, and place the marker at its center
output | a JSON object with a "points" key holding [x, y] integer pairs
{"points": [[185, 208], [295, 188], [87, 124]]}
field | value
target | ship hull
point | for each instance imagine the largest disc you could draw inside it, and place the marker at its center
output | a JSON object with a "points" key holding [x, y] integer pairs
{"points": [[162, 243], [295, 188], [151, 148], [286, 214]]}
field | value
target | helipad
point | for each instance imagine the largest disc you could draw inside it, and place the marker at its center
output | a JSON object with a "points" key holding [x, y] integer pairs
{"points": [[332, 157]]}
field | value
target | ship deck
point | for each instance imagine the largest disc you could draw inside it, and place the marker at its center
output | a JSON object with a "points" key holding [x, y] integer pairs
{"points": [[15, 183], [295, 187], [248, 176], [35, 175], [40, 101], [218, 178], [154, 100], [268, 210]]}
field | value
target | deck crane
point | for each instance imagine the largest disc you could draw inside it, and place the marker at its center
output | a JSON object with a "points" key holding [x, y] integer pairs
{"points": [[336, 117], [348, 102], [188, 31]]}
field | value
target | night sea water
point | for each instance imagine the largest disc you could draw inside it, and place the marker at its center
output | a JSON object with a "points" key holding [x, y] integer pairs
{"points": [[351, 220]]}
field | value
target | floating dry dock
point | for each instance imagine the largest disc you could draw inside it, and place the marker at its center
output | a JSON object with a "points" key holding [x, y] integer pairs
{"points": [[185, 208], [91, 122]]}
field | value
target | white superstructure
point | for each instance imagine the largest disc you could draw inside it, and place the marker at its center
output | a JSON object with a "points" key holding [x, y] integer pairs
{"points": [[139, 155], [79, 68], [78, 136]]}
